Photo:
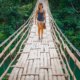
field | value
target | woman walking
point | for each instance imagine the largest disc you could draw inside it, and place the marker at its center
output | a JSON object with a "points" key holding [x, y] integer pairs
{"points": [[41, 18]]}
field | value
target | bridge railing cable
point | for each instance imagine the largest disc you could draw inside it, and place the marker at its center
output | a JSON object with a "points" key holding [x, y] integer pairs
{"points": [[67, 76], [68, 52], [11, 47]]}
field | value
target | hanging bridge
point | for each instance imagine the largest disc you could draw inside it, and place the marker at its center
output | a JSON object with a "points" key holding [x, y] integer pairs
{"points": [[24, 57]]}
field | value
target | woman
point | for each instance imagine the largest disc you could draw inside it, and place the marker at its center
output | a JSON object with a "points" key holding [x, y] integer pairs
{"points": [[40, 16]]}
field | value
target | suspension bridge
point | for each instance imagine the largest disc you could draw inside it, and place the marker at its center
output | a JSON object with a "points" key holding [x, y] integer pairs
{"points": [[24, 57]]}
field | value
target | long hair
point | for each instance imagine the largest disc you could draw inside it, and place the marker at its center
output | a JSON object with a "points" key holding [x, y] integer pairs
{"points": [[40, 4]]}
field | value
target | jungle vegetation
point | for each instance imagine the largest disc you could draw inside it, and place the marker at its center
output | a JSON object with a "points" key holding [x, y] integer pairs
{"points": [[67, 16], [13, 13]]}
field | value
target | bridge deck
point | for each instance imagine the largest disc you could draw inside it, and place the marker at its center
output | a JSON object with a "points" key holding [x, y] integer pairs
{"points": [[39, 60]]}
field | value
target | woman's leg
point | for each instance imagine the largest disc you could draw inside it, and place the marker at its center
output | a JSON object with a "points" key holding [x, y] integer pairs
{"points": [[41, 30]]}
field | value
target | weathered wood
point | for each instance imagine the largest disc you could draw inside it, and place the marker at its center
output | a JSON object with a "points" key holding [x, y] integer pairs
{"points": [[53, 70], [68, 64], [2, 53], [50, 74], [23, 78], [41, 74], [12, 61], [20, 74], [11, 52], [46, 74], [40, 60], [76, 61], [64, 65]]}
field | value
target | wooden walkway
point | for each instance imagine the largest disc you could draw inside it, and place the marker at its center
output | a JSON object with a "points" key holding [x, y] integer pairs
{"points": [[39, 60]]}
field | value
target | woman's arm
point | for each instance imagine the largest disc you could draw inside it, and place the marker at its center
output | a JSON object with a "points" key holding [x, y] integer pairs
{"points": [[36, 16]]}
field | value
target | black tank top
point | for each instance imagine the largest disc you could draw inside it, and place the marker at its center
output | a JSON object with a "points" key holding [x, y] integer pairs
{"points": [[40, 16]]}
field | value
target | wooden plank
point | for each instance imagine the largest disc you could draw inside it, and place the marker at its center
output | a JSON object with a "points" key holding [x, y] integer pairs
{"points": [[33, 54], [50, 74], [27, 48], [21, 61], [60, 68], [26, 68], [38, 67], [48, 60], [45, 60], [51, 45], [46, 48], [20, 74], [27, 78], [57, 69], [53, 53], [46, 75], [20, 58], [36, 78], [24, 60], [23, 78], [38, 53], [53, 69], [41, 74], [31, 77], [15, 74], [34, 67], [12, 74], [30, 67], [42, 60]]}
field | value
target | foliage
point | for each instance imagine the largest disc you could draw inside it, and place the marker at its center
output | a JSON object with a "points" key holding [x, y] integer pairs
{"points": [[67, 16], [13, 13]]}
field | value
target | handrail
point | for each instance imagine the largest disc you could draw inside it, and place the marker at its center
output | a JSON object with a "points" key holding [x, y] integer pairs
{"points": [[14, 33], [63, 43], [69, 51], [17, 30], [71, 45], [62, 52], [10, 53], [2, 53], [27, 22], [21, 33], [13, 59], [56, 40]]}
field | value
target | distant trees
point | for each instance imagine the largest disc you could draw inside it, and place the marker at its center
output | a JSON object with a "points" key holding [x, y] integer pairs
{"points": [[13, 13], [67, 16]]}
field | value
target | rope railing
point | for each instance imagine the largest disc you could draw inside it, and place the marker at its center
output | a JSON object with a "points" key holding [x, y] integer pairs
{"points": [[67, 76], [12, 52], [12, 45], [66, 39], [68, 51], [4, 42], [61, 50]]}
